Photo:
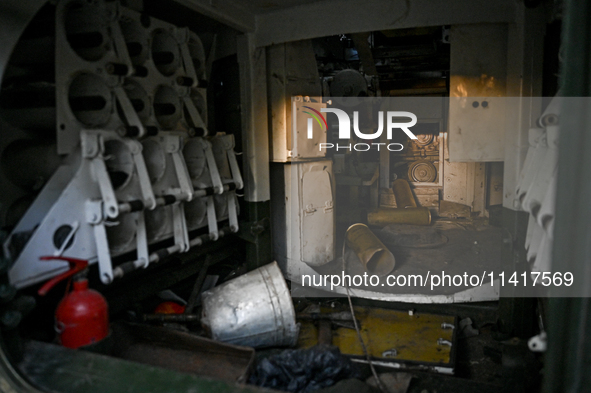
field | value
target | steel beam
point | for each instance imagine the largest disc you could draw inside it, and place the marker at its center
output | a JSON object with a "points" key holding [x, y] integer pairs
{"points": [[227, 12], [255, 130], [325, 18]]}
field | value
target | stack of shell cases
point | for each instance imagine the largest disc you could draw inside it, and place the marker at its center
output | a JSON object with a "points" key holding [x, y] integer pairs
{"points": [[142, 165]]}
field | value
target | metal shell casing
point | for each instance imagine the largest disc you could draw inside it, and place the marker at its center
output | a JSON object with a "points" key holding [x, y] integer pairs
{"points": [[373, 254], [385, 216], [403, 194]]}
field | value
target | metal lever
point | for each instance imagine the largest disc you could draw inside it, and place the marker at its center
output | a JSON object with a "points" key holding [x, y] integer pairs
{"points": [[173, 147], [228, 141], [182, 36], [142, 172], [211, 219], [143, 256], [218, 187], [95, 217], [181, 233], [76, 266], [194, 114], [128, 110], [232, 211]]}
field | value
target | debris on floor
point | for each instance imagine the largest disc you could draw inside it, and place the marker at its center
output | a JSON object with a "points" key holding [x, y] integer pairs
{"points": [[303, 370], [412, 350], [466, 328]]}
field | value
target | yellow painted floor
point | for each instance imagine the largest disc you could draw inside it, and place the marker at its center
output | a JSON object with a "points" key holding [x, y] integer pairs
{"points": [[414, 337]]}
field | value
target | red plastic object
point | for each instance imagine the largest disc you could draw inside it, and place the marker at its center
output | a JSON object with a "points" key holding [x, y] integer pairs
{"points": [[76, 266], [169, 308], [82, 316]]}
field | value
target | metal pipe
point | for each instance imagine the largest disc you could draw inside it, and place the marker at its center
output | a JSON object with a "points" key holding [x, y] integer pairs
{"points": [[156, 256], [132, 206], [170, 317], [412, 216], [373, 254], [403, 194]]}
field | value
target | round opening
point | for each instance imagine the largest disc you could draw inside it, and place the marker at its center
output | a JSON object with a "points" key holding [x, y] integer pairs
{"points": [[60, 235], [90, 100], [195, 158], [136, 40], [155, 159], [167, 107], [119, 162], [121, 233], [86, 30], [165, 53], [139, 100], [195, 212], [381, 263]]}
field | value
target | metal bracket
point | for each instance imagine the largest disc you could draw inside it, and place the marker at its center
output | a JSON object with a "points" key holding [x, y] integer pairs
{"points": [[441, 341], [390, 353], [92, 148], [181, 234], [173, 147], [538, 343], [213, 169], [94, 216], [129, 111], [211, 219], [92, 144], [309, 210]]}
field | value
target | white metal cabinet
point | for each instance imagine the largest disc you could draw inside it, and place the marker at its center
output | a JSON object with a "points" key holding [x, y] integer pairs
{"points": [[303, 206]]}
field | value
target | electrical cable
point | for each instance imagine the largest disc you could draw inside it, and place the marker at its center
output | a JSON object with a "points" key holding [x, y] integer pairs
{"points": [[363, 347]]}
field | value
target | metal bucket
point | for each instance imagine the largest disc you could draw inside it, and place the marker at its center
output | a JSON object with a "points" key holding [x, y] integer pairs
{"points": [[253, 310], [373, 254]]}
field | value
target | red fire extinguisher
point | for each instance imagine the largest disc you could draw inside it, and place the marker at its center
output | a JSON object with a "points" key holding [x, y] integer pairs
{"points": [[82, 316]]}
